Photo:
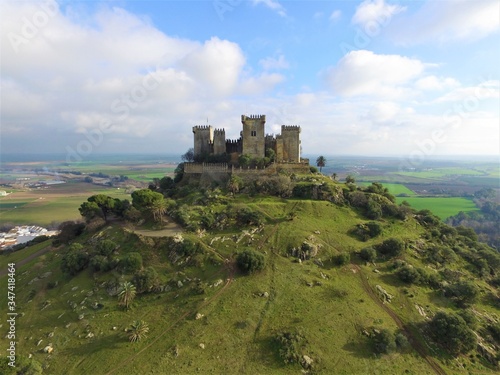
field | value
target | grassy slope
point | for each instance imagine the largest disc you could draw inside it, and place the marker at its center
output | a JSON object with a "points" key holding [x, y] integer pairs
{"points": [[238, 325]]}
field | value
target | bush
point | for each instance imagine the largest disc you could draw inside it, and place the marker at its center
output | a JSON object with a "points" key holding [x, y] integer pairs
{"points": [[75, 260], [291, 346], [246, 216], [146, 280], [368, 253], [391, 247], [99, 263], [409, 275], [69, 230], [250, 261], [463, 293], [384, 342], [341, 259], [401, 341], [131, 262], [106, 247], [452, 332]]}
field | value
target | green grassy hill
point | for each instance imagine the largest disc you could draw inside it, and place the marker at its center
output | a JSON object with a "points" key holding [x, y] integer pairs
{"points": [[207, 317]]}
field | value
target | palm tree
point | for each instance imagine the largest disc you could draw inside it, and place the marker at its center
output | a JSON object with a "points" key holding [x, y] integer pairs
{"points": [[127, 294], [320, 162], [137, 331], [158, 209]]}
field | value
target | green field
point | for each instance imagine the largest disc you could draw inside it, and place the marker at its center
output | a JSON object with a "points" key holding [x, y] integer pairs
{"points": [[440, 206], [55, 204], [394, 189]]}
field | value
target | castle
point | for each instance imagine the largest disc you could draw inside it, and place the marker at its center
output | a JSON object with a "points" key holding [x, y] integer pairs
{"points": [[253, 141]]}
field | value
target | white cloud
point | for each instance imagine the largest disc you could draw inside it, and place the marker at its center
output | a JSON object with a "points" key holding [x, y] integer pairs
{"points": [[443, 21], [271, 4], [378, 11], [336, 14], [366, 73], [485, 90], [272, 63], [436, 83]]}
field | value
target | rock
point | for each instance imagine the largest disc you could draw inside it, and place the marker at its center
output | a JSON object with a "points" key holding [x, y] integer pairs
{"points": [[307, 361], [74, 288], [179, 284], [317, 232], [114, 328], [81, 316], [67, 325], [218, 282], [265, 295], [39, 342], [89, 335], [366, 333], [323, 275], [199, 316], [202, 346], [309, 284], [51, 334], [376, 270], [48, 349]]}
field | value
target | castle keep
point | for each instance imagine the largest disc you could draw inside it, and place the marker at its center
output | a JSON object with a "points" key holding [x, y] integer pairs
{"points": [[253, 141]]}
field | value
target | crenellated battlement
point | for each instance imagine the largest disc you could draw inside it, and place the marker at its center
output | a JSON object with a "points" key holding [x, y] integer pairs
{"points": [[201, 127], [219, 131], [290, 128], [253, 117]]}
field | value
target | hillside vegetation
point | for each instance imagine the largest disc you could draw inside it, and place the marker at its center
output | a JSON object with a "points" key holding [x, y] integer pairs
{"points": [[269, 275]]}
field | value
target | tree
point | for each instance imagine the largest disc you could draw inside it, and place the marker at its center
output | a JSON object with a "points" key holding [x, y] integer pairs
{"points": [[244, 160], [188, 156], [334, 176], [452, 332], [350, 179], [384, 341], [89, 210], [146, 200], [158, 208], [104, 202], [320, 162], [368, 253], [137, 331], [250, 261], [127, 294], [270, 154]]}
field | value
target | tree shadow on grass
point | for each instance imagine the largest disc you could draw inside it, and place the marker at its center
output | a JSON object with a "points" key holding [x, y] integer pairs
{"points": [[359, 349], [113, 341]]}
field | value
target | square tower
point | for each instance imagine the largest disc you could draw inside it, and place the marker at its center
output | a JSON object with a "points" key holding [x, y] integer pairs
{"points": [[253, 134]]}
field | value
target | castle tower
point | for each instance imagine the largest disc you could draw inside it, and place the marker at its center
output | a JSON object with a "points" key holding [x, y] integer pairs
{"points": [[219, 141], [253, 135], [203, 138], [291, 142]]}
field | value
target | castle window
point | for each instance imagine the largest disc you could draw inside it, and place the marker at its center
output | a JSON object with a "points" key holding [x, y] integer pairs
{"points": [[253, 133]]}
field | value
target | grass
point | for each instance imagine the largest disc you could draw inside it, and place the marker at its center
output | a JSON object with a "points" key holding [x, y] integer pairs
{"points": [[394, 189], [442, 207], [238, 325]]}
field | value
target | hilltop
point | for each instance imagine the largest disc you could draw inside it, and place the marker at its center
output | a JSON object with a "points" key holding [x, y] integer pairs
{"points": [[334, 279]]}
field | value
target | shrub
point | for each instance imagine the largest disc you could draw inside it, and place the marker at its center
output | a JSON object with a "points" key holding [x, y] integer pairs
{"points": [[145, 280], [463, 293], [341, 259], [131, 262], [246, 216], [384, 342], [106, 247], [291, 346], [391, 247], [452, 332], [368, 253], [250, 261], [69, 230], [75, 260], [409, 275], [401, 341], [99, 263]]}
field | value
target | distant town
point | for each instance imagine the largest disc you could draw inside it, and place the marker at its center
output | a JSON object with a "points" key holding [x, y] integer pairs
{"points": [[22, 234]]}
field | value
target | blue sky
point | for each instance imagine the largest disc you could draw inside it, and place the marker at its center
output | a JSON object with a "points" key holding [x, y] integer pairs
{"points": [[410, 78]]}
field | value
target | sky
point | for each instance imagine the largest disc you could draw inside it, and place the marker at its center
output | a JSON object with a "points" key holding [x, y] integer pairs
{"points": [[376, 78]]}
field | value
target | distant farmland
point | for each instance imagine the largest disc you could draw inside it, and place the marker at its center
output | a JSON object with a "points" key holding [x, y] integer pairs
{"points": [[443, 207]]}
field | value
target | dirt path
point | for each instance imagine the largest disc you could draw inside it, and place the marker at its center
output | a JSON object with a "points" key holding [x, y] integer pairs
{"points": [[417, 345], [28, 259]]}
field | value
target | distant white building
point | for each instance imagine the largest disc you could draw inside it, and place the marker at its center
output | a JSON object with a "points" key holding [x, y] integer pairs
{"points": [[3, 193]]}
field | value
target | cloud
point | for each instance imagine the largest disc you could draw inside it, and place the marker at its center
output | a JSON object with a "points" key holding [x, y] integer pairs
{"points": [[271, 4], [378, 11], [485, 90], [272, 63], [431, 83], [366, 73], [443, 21], [335, 16]]}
